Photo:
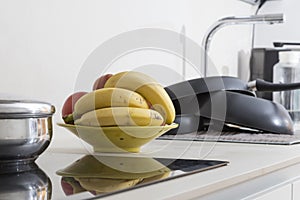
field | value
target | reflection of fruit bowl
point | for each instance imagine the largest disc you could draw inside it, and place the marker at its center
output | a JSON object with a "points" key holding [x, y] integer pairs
{"points": [[118, 138], [100, 174]]}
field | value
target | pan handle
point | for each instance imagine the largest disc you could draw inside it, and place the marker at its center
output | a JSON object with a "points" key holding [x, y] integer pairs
{"points": [[262, 85], [281, 44]]}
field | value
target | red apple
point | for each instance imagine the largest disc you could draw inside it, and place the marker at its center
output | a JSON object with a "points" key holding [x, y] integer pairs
{"points": [[100, 82], [71, 186], [68, 106], [67, 188]]}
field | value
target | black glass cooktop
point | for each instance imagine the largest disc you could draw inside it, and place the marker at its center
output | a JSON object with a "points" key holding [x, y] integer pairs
{"points": [[78, 176]]}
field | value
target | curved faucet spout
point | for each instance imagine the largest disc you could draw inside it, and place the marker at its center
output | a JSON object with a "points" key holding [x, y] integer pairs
{"points": [[253, 19]]}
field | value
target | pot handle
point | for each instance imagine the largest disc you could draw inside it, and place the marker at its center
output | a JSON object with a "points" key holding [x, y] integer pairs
{"points": [[262, 85]]}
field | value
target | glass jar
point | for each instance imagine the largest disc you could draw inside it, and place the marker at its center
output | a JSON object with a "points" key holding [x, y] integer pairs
{"points": [[287, 70]]}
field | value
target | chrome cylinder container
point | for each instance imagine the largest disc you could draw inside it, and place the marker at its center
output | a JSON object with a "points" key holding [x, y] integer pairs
{"points": [[24, 182], [25, 129]]}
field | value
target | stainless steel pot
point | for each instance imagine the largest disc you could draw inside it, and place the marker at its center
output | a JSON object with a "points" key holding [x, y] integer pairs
{"points": [[24, 182], [25, 129]]}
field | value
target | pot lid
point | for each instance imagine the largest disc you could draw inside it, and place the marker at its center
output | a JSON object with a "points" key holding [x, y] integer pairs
{"points": [[25, 109]]}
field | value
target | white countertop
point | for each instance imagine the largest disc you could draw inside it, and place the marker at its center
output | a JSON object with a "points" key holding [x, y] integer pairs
{"points": [[247, 162]]}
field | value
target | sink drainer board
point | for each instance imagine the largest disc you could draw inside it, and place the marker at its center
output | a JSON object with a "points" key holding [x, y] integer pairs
{"points": [[237, 137]]}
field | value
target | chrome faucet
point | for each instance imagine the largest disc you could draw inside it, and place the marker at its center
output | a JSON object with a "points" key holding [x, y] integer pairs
{"points": [[253, 19]]}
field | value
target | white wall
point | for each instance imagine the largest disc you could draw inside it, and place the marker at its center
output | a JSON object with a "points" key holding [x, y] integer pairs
{"points": [[289, 31], [43, 44]]}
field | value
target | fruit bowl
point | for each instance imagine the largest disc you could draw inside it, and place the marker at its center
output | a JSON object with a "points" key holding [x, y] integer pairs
{"points": [[100, 174], [118, 138]]}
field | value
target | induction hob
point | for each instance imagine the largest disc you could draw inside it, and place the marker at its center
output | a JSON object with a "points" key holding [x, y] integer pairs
{"points": [[79, 176]]}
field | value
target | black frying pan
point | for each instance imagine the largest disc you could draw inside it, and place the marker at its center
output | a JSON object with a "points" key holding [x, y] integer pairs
{"points": [[209, 84], [247, 111], [228, 83], [194, 97]]}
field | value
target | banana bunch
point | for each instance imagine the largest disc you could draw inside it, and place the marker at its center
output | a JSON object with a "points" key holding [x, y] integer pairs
{"points": [[104, 185], [148, 88], [105, 174], [127, 99]]}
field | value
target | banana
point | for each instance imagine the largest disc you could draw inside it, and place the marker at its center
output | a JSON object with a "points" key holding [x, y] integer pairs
{"points": [[108, 97], [148, 88], [103, 185], [155, 178], [121, 116]]}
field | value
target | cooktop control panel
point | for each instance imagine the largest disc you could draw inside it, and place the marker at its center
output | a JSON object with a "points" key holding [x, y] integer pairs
{"points": [[78, 176]]}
